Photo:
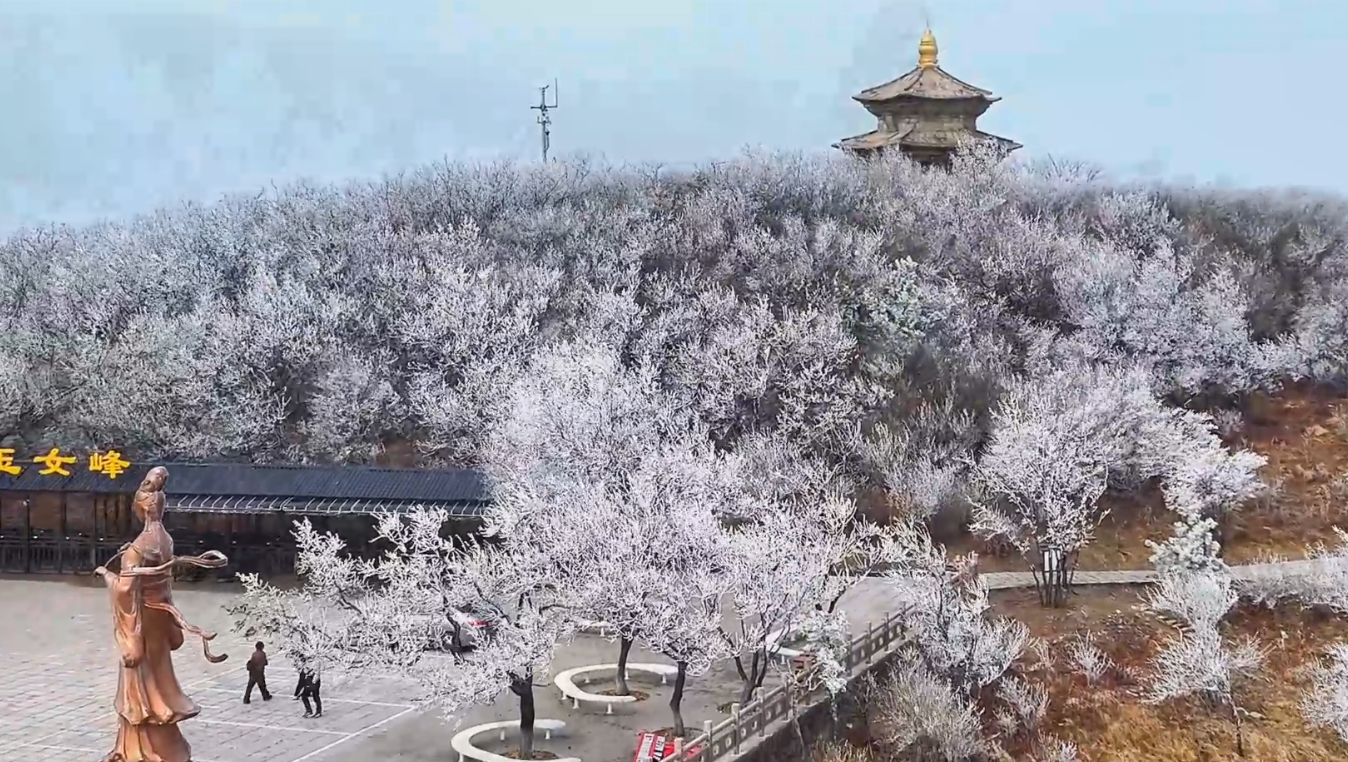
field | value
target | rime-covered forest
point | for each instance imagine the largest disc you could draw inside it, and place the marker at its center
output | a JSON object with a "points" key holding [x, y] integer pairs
{"points": [[695, 383], [321, 324]]}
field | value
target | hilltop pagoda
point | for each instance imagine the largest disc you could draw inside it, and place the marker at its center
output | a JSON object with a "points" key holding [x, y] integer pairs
{"points": [[925, 113]]}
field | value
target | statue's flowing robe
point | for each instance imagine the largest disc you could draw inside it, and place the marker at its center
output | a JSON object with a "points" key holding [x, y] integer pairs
{"points": [[150, 703]]}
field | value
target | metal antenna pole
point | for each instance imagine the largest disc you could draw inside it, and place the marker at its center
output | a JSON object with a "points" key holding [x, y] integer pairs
{"points": [[544, 120]]}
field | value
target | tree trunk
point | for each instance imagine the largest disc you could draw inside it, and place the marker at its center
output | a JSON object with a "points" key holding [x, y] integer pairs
{"points": [[624, 649], [525, 690], [762, 669], [676, 701], [754, 678]]}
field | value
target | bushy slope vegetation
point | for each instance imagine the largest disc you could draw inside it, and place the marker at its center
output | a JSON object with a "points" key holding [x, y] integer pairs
{"points": [[901, 321], [318, 323]]}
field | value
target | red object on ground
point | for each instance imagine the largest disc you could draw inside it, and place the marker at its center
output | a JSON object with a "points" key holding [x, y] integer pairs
{"points": [[656, 747]]}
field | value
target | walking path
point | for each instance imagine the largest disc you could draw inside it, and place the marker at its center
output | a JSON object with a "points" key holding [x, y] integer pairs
{"points": [[871, 599], [1011, 580]]}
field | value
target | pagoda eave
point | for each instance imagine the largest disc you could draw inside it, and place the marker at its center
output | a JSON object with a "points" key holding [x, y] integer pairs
{"points": [[876, 140], [910, 98]]}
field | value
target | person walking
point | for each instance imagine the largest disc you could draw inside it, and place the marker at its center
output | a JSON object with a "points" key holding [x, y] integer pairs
{"points": [[312, 683], [257, 674]]}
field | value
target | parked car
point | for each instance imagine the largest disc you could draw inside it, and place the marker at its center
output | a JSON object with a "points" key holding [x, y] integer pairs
{"points": [[471, 630]]}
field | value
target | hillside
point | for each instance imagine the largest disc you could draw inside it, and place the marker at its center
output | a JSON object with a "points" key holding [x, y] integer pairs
{"points": [[1034, 363]]}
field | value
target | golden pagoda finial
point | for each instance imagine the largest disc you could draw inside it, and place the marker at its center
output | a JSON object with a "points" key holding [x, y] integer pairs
{"points": [[926, 50]]}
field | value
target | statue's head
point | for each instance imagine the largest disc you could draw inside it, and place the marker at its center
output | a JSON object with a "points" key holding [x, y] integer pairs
{"points": [[149, 502], [154, 480]]}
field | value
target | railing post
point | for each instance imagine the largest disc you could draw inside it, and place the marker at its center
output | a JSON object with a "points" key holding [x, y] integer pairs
{"points": [[870, 642], [708, 727], [738, 729], [762, 723]]}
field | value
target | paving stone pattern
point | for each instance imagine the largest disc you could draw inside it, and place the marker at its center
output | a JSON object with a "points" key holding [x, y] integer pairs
{"points": [[59, 663]]}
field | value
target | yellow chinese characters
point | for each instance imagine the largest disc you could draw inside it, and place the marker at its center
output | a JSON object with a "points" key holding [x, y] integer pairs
{"points": [[54, 462], [7, 464], [109, 463]]}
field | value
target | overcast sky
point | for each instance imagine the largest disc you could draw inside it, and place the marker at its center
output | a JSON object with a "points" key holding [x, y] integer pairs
{"points": [[117, 106]]}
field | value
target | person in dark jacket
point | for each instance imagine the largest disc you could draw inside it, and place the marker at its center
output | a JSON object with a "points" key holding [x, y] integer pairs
{"points": [[257, 674], [311, 684]]}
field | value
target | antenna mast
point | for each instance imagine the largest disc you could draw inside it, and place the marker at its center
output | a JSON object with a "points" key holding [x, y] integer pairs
{"points": [[545, 121]]}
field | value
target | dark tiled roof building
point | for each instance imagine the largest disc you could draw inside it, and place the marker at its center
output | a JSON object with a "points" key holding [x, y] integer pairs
{"points": [[292, 489], [925, 113], [74, 518]]}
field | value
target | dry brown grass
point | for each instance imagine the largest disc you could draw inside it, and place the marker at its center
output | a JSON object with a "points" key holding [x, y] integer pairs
{"points": [[1304, 434], [1110, 723]]}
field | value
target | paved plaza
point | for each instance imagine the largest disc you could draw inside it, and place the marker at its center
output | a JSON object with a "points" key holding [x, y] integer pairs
{"points": [[59, 663]]}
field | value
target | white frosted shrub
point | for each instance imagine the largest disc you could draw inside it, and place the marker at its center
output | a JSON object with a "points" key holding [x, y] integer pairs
{"points": [[919, 713], [1200, 660], [1325, 703]]}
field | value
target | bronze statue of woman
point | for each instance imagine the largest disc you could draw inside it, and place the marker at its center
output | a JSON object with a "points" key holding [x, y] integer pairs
{"points": [[149, 628]]}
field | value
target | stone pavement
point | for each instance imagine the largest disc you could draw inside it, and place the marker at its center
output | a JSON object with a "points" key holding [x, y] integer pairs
{"points": [[59, 663]]}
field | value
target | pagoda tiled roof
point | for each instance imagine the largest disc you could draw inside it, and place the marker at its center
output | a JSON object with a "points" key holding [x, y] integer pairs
{"points": [[925, 82]]}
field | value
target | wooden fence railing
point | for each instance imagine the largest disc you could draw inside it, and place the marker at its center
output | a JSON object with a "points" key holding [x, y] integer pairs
{"points": [[43, 554], [752, 720]]}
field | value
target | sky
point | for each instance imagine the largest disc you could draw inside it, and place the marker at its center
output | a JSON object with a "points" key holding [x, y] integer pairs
{"points": [[114, 107]]}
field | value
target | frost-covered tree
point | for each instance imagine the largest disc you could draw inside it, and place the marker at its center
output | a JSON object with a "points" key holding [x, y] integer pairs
{"points": [[944, 608], [1192, 547], [1041, 478], [791, 540], [778, 568], [957, 661], [403, 613], [614, 482], [308, 625], [1073, 428], [920, 715], [1203, 483], [685, 624], [1205, 479], [1200, 661]]}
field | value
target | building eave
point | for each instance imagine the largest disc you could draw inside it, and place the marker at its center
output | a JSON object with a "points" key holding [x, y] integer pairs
{"points": [[930, 83]]}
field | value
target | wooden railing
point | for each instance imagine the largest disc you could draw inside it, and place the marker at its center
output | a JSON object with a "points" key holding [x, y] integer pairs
{"points": [[753, 720], [50, 554], [54, 555]]}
